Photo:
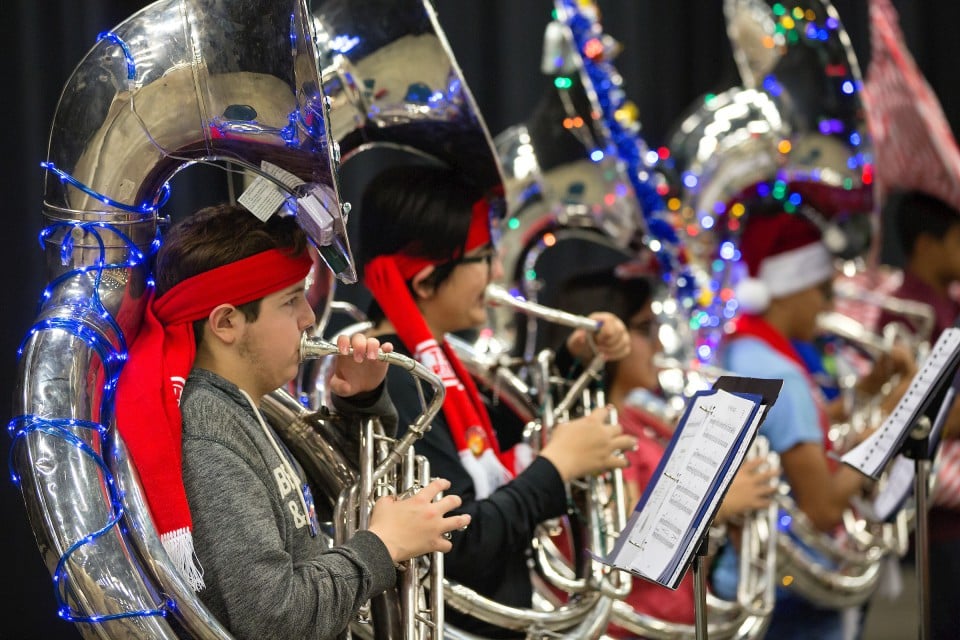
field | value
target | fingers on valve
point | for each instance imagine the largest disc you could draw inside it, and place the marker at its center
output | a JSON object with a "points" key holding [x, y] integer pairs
{"points": [[358, 342]]}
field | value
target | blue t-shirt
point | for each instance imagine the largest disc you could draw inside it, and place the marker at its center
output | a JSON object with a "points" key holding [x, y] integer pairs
{"points": [[792, 420]]}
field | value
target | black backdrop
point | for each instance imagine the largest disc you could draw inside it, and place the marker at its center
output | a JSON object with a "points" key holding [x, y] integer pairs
{"points": [[674, 51]]}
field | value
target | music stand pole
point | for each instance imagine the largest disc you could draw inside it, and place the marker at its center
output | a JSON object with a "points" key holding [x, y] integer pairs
{"points": [[700, 586], [917, 447]]}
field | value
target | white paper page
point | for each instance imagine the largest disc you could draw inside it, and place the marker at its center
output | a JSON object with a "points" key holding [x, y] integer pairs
{"points": [[901, 472], [898, 488], [657, 535], [739, 455], [871, 455]]}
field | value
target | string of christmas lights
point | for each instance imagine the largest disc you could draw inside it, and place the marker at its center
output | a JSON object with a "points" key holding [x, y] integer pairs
{"points": [[112, 356]]}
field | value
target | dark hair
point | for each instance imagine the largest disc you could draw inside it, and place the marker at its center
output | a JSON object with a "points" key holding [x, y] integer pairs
{"points": [[915, 214], [606, 290], [216, 236], [419, 210], [602, 290]]}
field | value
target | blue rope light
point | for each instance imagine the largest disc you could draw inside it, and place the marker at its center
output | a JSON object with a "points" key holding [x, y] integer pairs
{"points": [[112, 360], [127, 54], [144, 208], [94, 228], [60, 428]]}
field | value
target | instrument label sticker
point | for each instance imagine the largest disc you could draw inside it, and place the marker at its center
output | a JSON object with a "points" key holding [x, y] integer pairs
{"points": [[262, 198]]}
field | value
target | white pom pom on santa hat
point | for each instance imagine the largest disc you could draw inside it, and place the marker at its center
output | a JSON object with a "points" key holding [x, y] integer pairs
{"points": [[752, 295]]}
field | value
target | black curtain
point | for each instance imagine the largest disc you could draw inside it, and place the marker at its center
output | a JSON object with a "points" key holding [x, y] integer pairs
{"points": [[673, 53]]}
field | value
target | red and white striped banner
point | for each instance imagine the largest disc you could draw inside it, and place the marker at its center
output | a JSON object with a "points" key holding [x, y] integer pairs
{"points": [[914, 148]]}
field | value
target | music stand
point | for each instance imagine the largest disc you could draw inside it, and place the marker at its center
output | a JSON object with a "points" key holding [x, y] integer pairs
{"points": [[921, 447], [700, 587], [769, 389], [661, 542], [913, 430]]}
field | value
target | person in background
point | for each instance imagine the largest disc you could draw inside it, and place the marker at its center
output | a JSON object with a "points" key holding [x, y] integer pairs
{"points": [[929, 233], [790, 282], [633, 387], [232, 505], [427, 258], [917, 170], [928, 230]]}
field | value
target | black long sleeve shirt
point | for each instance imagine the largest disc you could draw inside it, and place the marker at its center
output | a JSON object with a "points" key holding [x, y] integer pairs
{"points": [[492, 555]]}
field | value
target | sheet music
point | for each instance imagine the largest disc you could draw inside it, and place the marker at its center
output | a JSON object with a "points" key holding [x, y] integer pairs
{"points": [[900, 474], [705, 452], [873, 454], [740, 454], [899, 487]]}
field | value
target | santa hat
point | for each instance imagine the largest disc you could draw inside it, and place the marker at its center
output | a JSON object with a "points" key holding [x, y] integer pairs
{"points": [[914, 147], [784, 253]]}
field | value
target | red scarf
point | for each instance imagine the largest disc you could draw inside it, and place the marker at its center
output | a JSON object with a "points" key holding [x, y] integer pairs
{"points": [[386, 278], [749, 325], [160, 359]]}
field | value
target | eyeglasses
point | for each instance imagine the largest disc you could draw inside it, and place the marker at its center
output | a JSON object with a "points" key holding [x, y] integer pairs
{"points": [[444, 269], [487, 255]]}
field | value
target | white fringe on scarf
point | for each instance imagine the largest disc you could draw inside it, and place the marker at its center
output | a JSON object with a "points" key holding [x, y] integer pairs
{"points": [[487, 471], [522, 457], [179, 546]]}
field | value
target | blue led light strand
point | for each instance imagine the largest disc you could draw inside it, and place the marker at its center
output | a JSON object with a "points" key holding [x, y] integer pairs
{"points": [[112, 360], [61, 428], [137, 258], [127, 54], [144, 208], [629, 147]]}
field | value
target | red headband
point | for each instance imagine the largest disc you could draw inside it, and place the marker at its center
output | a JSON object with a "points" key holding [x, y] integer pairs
{"points": [[386, 277], [160, 359], [478, 235], [235, 283], [479, 232]]}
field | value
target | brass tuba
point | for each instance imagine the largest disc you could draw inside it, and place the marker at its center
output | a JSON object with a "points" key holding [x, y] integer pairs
{"points": [[178, 83], [380, 465], [579, 180], [793, 137], [599, 512], [601, 499], [277, 89]]}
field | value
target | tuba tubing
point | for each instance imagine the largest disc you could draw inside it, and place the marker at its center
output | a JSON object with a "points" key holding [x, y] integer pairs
{"points": [[605, 515], [498, 296], [152, 104], [385, 465], [312, 348], [851, 330], [584, 615]]}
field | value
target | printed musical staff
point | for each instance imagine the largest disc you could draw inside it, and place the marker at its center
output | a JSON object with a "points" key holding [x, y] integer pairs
{"points": [[680, 501]]}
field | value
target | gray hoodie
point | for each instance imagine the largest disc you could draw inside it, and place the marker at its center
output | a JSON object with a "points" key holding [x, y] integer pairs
{"points": [[265, 576]]}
